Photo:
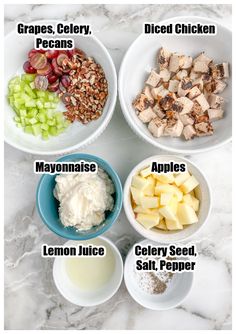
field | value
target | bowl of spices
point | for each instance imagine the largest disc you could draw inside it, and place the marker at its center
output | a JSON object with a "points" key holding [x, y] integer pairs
{"points": [[89, 280], [155, 290], [57, 101], [80, 205]]}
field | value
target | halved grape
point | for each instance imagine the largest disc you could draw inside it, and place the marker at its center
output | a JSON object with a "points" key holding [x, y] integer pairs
{"points": [[38, 61], [62, 88], [46, 70], [52, 78], [65, 80], [54, 86], [57, 70], [28, 68], [50, 54], [66, 98], [60, 58], [41, 82], [33, 51]]}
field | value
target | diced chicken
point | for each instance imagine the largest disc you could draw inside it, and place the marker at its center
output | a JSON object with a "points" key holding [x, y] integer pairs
{"points": [[181, 74], [174, 63], [141, 102], [219, 86], [166, 102], [187, 62], [174, 128], [215, 114], [202, 101], [220, 71], [203, 129], [206, 77], [189, 132], [165, 75], [184, 86], [157, 126], [200, 66], [202, 58], [193, 75], [159, 92], [186, 119], [164, 58], [215, 101], [173, 86], [199, 83], [158, 111], [147, 92], [147, 115], [194, 92], [196, 109], [183, 105], [153, 79], [171, 114]]}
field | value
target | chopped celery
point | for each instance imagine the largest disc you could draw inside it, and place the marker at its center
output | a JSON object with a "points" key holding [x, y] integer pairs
{"points": [[28, 129]]}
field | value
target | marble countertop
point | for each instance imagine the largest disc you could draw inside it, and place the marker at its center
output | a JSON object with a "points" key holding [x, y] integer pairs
{"points": [[31, 298]]}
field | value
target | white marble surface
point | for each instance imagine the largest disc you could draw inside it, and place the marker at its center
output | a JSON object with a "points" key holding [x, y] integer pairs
{"points": [[31, 299]]}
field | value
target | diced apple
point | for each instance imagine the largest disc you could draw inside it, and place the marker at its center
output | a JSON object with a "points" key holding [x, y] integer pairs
{"points": [[161, 225], [149, 202], [173, 225], [165, 198], [146, 171], [165, 178], [167, 212], [181, 178], [192, 201], [139, 182], [137, 195], [168, 188], [140, 209], [186, 214], [189, 184], [174, 204], [147, 220], [149, 190]]}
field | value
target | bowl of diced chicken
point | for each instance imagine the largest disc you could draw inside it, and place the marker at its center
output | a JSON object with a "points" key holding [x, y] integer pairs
{"points": [[175, 90]]}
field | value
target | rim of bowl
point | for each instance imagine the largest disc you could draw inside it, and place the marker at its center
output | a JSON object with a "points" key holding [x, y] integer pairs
{"points": [[91, 138], [103, 300], [132, 220], [191, 275], [125, 111], [119, 195]]}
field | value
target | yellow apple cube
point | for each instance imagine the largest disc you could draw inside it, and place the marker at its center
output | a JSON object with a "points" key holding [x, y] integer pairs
{"points": [[162, 225], [140, 209], [165, 178], [165, 198], [173, 225], [167, 212], [137, 195], [139, 182], [174, 204], [146, 171], [186, 214], [149, 190], [147, 220], [192, 201], [189, 184], [168, 188], [181, 178], [149, 202]]}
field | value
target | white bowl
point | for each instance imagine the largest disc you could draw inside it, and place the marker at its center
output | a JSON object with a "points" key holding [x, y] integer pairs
{"points": [[202, 192], [178, 289], [77, 136], [82, 298], [141, 57]]}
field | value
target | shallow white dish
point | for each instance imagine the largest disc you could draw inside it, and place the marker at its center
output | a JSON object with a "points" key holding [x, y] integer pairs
{"points": [[203, 194], [141, 57], [77, 136], [177, 290], [76, 296]]}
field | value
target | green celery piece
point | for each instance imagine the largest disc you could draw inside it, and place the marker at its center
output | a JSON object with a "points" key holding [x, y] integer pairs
{"points": [[28, 77], [30, 104], [51, 122], [29, 91], [47, 105], [40, 93], [36, 129], [41, 117], [23, 112], [39, 104], [33, 120], [53, 131], [17, 119], [44, 127], [28, 129], [45, 135]]}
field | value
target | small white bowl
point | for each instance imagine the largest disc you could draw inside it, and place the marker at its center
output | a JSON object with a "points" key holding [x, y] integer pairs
{"points": [[177, 290], [77, 136], [82, 298], [142, 56], [203, 194]]}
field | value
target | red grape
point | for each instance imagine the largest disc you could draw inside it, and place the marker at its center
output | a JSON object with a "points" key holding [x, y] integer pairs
{"points": [[54, 86], [60, 58], [65, 80], [41, 82], [33, 51], [57, 70], [46, 70], [52, 78], [50, 54], [28, 68], [38, 61]]}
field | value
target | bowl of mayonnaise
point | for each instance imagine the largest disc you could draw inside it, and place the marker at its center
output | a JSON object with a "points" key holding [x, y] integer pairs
{"points": [[79, 196]]}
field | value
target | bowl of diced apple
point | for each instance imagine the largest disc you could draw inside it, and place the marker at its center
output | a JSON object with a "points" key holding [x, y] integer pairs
{"points": [[167, 207]]}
